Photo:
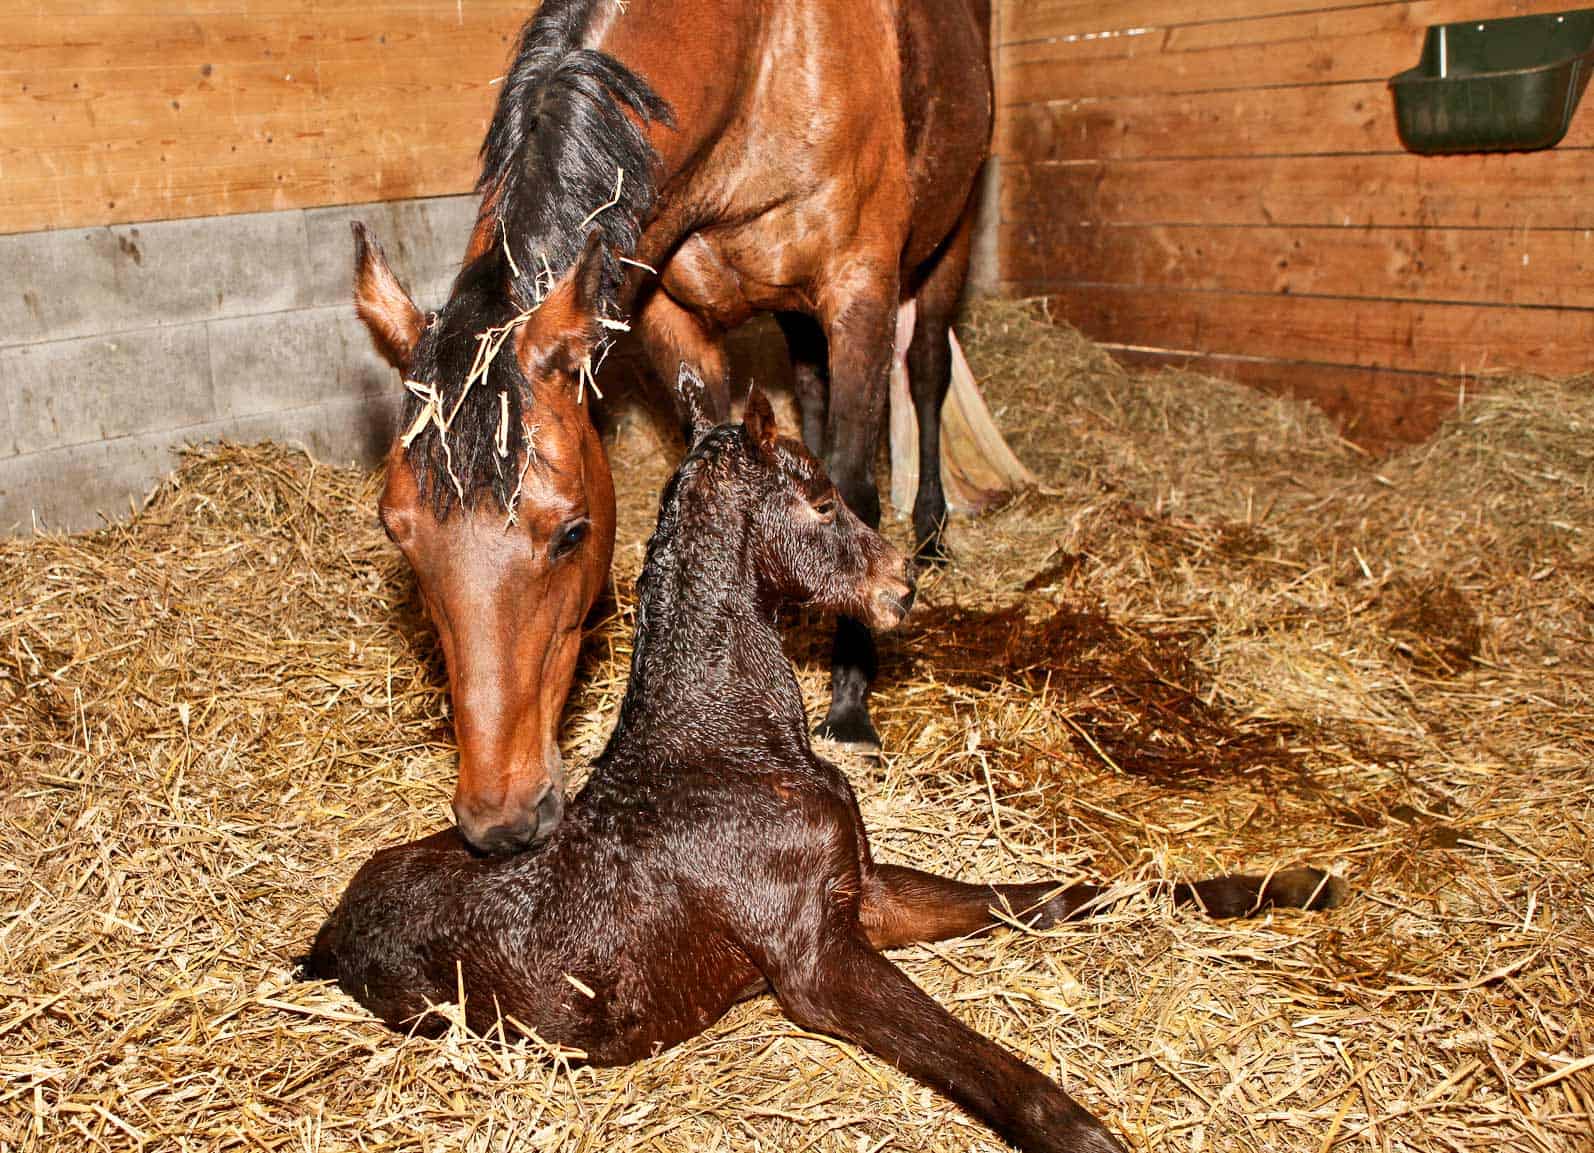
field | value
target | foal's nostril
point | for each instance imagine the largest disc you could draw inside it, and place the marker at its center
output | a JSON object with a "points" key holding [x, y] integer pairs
{"points": [[907, 601]]}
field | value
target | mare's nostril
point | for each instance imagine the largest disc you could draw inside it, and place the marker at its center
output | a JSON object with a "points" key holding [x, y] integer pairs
{"points": [[500, 840], [549, 812]]}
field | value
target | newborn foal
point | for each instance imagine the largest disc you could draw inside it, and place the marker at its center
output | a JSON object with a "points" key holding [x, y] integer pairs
{"points": [[712, 854]]}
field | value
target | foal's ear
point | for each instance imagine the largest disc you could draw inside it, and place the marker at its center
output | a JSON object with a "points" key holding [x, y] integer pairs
{"points": [[564, 326], [759, 420], [389, 313], [694, 408]]}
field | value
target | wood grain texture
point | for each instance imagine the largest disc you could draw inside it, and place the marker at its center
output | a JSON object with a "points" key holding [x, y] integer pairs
{"points": [[133, 112], [1410, 336], [1222, 184], [1539, 268], [1115, 20], [1312, 44]]}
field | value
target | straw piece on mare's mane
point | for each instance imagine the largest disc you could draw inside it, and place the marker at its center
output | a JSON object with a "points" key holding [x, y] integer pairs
{"points": [[542, 284], [638, 264], [429, 408], [489, 341], [503, 231], [619, 186], [503, 423]]}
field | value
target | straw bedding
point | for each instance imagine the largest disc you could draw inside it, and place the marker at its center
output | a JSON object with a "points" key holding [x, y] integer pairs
{"points": [[1217, 637]]}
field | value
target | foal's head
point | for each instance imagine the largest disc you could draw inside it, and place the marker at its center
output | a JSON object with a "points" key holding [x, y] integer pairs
{"points": [[498, 492], [770, 517]]}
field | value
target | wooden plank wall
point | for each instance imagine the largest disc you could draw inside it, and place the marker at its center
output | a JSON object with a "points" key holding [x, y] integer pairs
{"points": [[1220, 184], [125, 110]]}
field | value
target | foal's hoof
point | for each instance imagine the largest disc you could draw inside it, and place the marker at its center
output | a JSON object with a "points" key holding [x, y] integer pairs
{"points": [[851, 729], [1304, 889], [931, 550]]}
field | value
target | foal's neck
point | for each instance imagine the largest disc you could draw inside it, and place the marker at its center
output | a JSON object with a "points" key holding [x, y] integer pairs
{"points": [[707, 670]]}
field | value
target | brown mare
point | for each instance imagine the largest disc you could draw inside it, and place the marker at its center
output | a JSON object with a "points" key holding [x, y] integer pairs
{"points": [[712, 854], [685, 165]]}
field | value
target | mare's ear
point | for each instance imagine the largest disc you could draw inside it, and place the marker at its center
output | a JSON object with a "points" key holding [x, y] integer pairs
{"points": [[759, 420], [564, 327], [389, 313], [694, 408]]}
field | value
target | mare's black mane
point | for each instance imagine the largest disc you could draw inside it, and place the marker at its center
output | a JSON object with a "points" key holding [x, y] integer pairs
{"points": [[562, 132]]}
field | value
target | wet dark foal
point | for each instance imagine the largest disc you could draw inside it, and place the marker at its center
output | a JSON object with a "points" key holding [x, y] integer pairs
{"points": [[711, 854]]}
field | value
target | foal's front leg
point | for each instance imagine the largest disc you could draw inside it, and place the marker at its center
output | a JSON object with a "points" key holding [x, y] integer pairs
{"points": [[902, 906]]}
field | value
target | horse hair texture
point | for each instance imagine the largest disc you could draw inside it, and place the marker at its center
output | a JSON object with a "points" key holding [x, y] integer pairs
{"points": [[559, 136]]}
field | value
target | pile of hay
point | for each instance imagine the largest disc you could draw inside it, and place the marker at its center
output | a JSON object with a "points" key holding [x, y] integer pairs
{"points": [[1218, 637]]}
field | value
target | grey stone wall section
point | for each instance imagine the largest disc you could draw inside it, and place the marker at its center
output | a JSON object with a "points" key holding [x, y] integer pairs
{"points": [[65, 392], [45, 487], [93, 281], [120, 345]]}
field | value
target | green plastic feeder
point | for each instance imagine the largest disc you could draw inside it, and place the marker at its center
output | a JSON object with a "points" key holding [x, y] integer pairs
{"points": [[1495, 85]]}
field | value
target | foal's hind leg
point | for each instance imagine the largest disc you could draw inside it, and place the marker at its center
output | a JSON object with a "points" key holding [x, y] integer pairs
{"points": [[929, 375], [848, 990], [902, 906]]}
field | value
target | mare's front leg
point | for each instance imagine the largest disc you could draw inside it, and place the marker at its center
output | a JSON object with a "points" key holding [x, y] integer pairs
{"points": [[844, 988], [860, 326], [902, 906]]}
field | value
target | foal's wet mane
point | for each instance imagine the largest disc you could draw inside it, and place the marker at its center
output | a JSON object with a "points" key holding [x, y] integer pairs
{"points": [[565, 156]]}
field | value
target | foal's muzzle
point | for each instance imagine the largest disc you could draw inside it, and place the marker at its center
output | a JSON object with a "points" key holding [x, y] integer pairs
{"points": [[894, 597]]}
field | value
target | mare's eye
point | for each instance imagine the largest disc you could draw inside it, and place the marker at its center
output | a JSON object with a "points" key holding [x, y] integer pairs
{"points": [[825, 507], [567, 539]]}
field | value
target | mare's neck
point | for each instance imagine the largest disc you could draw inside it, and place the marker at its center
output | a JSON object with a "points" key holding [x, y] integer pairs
{"points": [[707, 670]]}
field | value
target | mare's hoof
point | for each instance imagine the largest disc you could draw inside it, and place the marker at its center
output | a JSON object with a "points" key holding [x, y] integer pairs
{"points": [[853, 730]]}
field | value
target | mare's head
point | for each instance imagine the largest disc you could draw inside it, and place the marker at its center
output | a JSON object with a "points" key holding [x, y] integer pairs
{"points": [[498, 492], [768, 512]]}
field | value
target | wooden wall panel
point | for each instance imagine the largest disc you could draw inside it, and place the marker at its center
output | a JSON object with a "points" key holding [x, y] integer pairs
{"points": [[1222, 184], [134, 112]]}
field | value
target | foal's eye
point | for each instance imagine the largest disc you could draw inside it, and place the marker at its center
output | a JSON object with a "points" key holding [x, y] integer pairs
{"points": [[825, 507], [567, 539]]}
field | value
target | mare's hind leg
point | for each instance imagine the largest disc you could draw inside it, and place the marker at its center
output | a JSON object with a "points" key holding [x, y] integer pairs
{"points": [[848, 990], [859, 331], [673, 336], [902, 906], [929, 375], [805, 342]]}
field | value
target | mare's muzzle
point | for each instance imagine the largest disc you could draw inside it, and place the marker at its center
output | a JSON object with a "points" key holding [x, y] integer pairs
{"points": [[499, 832]]}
